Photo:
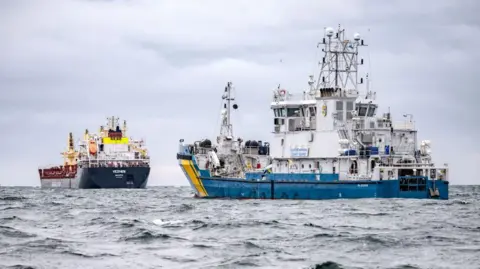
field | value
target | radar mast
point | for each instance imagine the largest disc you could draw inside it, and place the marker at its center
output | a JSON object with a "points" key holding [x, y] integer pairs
{"points": [[339, 65]]}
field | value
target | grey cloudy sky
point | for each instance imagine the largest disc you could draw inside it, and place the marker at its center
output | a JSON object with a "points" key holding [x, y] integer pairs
{"points": [[65, 65]]}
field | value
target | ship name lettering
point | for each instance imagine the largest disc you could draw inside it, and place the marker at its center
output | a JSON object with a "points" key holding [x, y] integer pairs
{"points": [[119, 171]]}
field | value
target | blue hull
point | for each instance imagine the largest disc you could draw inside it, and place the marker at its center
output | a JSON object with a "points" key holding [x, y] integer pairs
{"points": [[308, 186]]}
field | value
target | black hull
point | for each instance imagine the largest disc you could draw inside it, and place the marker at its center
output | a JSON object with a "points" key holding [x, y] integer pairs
{"points": [[114, 178]]}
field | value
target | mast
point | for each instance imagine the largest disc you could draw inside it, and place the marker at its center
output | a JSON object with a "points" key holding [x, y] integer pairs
{"points": [[226, 129], [339, 64], [70, 142]]}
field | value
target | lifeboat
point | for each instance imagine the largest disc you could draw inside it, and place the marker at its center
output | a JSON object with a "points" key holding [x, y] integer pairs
{"points": [[92, 147]]}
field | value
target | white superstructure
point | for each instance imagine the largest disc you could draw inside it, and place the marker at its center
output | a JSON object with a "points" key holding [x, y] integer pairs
{"points": [[334, 127], [112, 147], [229, 156]]}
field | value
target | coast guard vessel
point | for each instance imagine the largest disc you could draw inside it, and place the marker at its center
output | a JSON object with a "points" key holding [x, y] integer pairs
{"points": [[107, 160], [329, 143]]}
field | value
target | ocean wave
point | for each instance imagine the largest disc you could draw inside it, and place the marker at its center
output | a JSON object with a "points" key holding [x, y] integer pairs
{"points": [[165, 227], [144, 235], [12, 198], [14, 233]]}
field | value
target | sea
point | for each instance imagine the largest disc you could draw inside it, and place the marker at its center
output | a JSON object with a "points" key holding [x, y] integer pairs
{"points": [[166, 227]]}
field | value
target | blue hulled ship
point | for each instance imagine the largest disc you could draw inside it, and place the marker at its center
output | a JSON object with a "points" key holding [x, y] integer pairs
{"points": [[328, 143]]}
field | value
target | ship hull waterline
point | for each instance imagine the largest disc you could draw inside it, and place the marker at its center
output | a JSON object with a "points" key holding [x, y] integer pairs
{"points": [[206, 186], [103, 178], [61, 183]]}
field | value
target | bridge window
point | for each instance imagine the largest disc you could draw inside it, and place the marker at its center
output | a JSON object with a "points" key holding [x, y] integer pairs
{"points": [[293, 112], [339, 106], [350, 106], [371, 111], [313, 111], [349, 110], [279, 112], [362, 111]]}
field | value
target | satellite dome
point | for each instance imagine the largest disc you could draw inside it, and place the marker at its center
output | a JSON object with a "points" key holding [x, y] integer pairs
{"points": [[356, 36], [329, 31]]}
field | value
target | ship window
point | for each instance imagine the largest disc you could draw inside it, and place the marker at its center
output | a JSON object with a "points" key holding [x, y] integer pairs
{"points": [[339, 105], [372, 125], [349, 106], [313, 111], [310, 165], [303, 111], [303, 166], [371, 111], [293, 112], [362, 111], [281, 112]]}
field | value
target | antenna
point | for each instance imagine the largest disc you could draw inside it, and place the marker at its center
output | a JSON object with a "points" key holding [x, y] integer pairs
{"points": [[340, 62], [226, 127]]}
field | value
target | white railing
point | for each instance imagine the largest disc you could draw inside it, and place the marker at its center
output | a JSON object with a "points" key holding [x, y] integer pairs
{"points": [[115, 163], [52, 166], [403, 125]]}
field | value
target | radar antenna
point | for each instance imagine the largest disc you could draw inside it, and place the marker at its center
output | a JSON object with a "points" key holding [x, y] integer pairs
{"points": [[340, 63]]}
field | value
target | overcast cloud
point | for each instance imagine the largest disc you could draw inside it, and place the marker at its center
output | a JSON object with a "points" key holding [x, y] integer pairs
{"points": [[162, 65]]}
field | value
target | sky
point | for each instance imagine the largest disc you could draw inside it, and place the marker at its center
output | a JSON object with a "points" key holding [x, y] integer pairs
{"points": [[66, 65]]}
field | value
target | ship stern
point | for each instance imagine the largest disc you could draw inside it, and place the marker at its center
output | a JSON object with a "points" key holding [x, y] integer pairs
{"points": [[134, 177]]}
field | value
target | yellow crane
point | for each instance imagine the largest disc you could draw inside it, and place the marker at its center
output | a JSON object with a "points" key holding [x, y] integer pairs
{"points": [[70, 155]]}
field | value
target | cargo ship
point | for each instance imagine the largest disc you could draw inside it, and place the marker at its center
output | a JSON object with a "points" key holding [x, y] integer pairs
{"points": [[107, 160], [328, 143]]}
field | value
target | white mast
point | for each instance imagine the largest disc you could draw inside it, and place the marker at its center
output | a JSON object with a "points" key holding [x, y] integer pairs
{"points": [[226, 129], [339, 65]]}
